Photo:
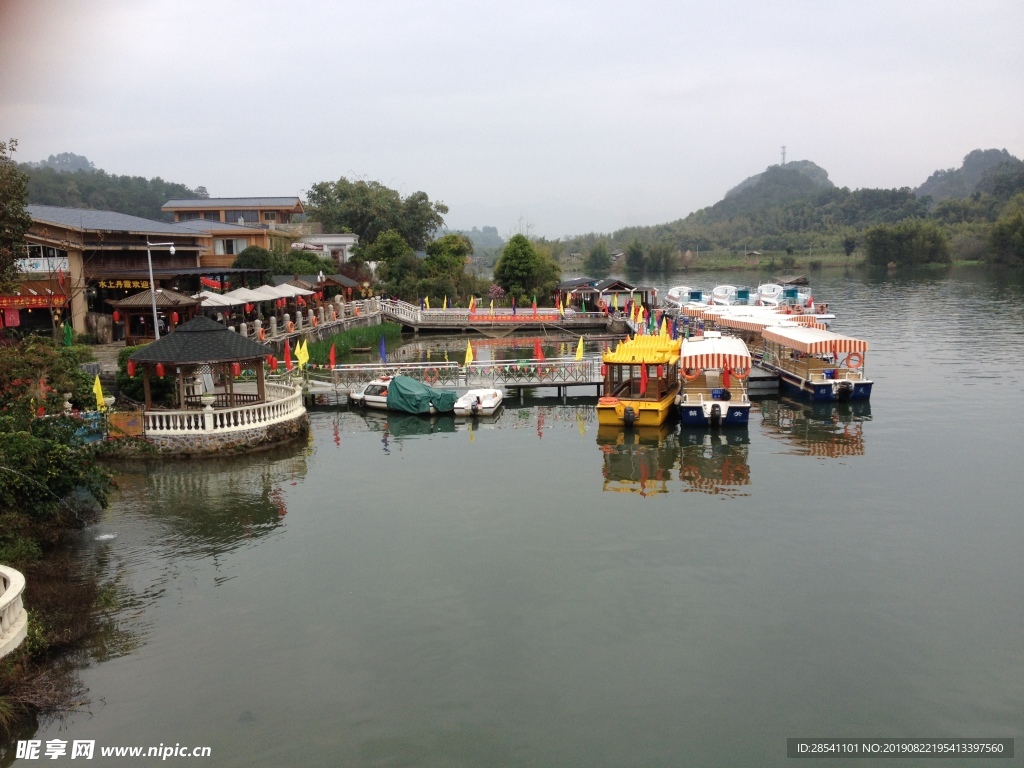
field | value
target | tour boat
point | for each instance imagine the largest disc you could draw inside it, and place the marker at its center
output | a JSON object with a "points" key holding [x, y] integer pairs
{"points": [[479, 402], [818, 364], [728, 295], [641, 380], [714, 369], [678, 295], [402, 393]]}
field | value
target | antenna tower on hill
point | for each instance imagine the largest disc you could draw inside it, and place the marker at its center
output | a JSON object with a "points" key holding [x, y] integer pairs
{"points": [[783, 154]]}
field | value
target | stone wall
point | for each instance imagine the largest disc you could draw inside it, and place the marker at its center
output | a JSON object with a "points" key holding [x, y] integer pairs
{"points": [[235, 441]]}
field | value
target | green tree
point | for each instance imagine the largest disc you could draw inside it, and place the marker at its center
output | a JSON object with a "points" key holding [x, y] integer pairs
{"points": [[599, 260], [394, 257], [849, 245], [908, 243], [447, 256], [659, 257], [14, 219], [255, 257], [368, 208], [635, 261], [1006, 239], [522, 271]]}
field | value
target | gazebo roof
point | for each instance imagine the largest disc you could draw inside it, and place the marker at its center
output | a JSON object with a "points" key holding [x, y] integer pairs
{"points": [[198, 341], [165, 298]]}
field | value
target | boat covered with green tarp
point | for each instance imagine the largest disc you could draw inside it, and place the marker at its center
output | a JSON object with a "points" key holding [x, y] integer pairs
{"points": [[410, 395]]}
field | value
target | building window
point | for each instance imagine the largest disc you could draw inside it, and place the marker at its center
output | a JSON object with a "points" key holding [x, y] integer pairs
{"points": [[189, 215], [229, 246], [270, 215], [249, 217], [212, 215]]}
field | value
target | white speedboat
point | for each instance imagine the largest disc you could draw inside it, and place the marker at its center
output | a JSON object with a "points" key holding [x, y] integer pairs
{"points": [[373, 394], [678, 295], [479, 402], [402, 393]]}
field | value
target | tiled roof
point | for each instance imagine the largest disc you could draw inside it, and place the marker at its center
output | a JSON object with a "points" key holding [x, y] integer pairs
{"points": [[219, 203], [103, 221], [200, 340], [205, 226], [165, 297]]}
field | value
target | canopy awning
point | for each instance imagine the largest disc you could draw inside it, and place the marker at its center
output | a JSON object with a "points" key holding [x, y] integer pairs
{"points": [[211, 299], [246, 296], [293, 290], [714, 352], [814, 341], [272, 292]]}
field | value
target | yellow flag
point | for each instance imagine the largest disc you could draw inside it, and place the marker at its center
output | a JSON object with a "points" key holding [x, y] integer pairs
{"points": [[615, 301], [492, 306], [579, 349], [97, 389], [469, 353], [664, 326], [302, 353], [426, 301], [445, 302], [561, 310]]}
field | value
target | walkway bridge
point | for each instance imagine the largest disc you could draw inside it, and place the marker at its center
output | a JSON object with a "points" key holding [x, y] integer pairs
{"points": [[560, 373], [499, 322]]}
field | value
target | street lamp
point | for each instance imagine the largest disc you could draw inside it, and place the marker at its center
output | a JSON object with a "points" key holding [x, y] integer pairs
{"points": [[152, 284]]}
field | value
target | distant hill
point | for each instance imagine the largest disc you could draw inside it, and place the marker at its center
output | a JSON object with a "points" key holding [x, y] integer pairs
{"points": [[979, 172], [485, 240], [778, 185], [73, 181], [817, 175]]}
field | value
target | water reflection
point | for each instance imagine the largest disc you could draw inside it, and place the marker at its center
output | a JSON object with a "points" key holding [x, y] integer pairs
{"points": [[817, 429], [638, 460], [715, 462]]}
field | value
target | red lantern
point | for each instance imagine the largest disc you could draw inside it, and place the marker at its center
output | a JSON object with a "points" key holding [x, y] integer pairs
{"points": [[117, 316], [174, 318], [272, 359], [131, 369], [236, 369], [661, 371], [160, 370]]}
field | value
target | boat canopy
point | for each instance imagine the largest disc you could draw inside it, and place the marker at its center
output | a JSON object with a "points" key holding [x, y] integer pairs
{"points": [[714, 352], [656, 350], [813, 341]]}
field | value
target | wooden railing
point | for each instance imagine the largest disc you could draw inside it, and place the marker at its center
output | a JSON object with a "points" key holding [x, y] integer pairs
{"points": [[284, 402], [13, 619]]}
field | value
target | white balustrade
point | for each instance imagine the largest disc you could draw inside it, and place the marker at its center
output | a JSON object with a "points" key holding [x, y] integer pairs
{"points": [[13, 619], [284, 403]]}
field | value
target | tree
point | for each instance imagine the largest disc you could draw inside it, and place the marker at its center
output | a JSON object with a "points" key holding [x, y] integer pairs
{"points": [[849, 245], [255, 257], [369, 209], [447, 256], [635, 261], [521, 271], [395, 259], [659, 257], [599, 261], [908, 243], [1006, 238], [14, 219]]}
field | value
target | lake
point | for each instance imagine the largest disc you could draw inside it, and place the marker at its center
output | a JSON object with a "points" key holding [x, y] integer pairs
{"points": [[402, 592]]}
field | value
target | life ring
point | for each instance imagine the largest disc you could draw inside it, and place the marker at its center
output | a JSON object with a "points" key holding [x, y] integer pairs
{"points": [[601, 304], [291, 326], [263, 334], [854, 360], [821, 309], [798, 309], [608, 400], [687, 376], [430, 375], [741, 373], [789, 311]]}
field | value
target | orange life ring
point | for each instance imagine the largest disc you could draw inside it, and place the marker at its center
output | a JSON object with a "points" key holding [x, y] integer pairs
{"points": [[798, 309], [601, 304], [854, 360], [430, 375], [608, 400], [788, 310], [263, 334], [291, 326], [741, 373], [687, 376], [821, 309]]}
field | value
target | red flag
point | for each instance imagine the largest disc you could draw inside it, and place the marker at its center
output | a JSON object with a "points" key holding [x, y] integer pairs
{"points": [[287, 355], [538, 353], [643, 379], [725, 378], [60, 275], [810, 300], [332, 357]]}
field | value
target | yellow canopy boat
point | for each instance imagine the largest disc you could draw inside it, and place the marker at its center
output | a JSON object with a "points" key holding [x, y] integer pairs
{"points": [[641, 380]]}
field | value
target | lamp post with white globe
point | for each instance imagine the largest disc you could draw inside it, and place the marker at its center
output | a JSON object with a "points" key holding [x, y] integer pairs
{"points": [[152, 284]]}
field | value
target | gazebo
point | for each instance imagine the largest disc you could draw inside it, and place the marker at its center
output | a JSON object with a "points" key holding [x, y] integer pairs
{"points": [[205, 358], [172, 307]]}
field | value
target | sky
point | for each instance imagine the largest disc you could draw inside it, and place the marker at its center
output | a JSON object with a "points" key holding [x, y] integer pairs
{"points": [[552, 118]]}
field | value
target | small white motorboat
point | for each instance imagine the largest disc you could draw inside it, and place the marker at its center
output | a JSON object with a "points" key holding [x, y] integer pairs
{"points": [[479, 402], [371, 395]]}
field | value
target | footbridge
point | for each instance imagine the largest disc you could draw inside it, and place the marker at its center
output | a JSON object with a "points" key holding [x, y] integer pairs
{"points": [[497, 322]]}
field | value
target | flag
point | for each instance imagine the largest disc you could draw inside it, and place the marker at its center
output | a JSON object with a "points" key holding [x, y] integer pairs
{"points": [[69, 334], [288, 355], [427, 301], [583, 304], [534, 305], [538, 353], [383, 349], [561, 310], [664, 326], [579, 349], [472, 305], [643, 379], [725, 378], [513, 305], [492, 307], [302, 353], [810, 300], [97, 389], [332, 357], [615, 301], [469, 354], [445, 306], [421, 305]]}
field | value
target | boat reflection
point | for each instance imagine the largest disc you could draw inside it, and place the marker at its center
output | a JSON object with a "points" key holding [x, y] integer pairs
{"points": [[714, 462], [824, 429], [638, 460]]}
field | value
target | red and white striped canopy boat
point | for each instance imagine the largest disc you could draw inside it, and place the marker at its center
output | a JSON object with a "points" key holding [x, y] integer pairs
{"points": [[814, 341], [714, 352]]}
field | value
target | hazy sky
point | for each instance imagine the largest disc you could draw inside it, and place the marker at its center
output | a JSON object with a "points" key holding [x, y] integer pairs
{"points": [[560, 117]]}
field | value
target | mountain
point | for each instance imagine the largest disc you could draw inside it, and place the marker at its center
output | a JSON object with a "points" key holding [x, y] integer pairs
{"points": [[777, 175], [777, 186], [978, 173]]}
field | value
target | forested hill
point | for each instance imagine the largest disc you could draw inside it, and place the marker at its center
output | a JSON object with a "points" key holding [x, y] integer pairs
{"points": [[980, 172], [71, 180]]}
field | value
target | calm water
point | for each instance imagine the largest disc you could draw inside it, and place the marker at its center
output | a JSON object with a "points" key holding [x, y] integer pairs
{"points": [[398, 592]]}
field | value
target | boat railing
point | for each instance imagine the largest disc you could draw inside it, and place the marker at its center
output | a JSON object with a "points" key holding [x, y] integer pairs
{"points": [[284, 403]]}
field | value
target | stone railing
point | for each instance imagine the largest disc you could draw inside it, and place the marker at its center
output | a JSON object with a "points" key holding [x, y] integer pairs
{"points": [[284, 403], [13, 619]]}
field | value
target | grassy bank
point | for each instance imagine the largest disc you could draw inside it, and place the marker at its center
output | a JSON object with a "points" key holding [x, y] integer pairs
{"points": [[355, 338]]}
